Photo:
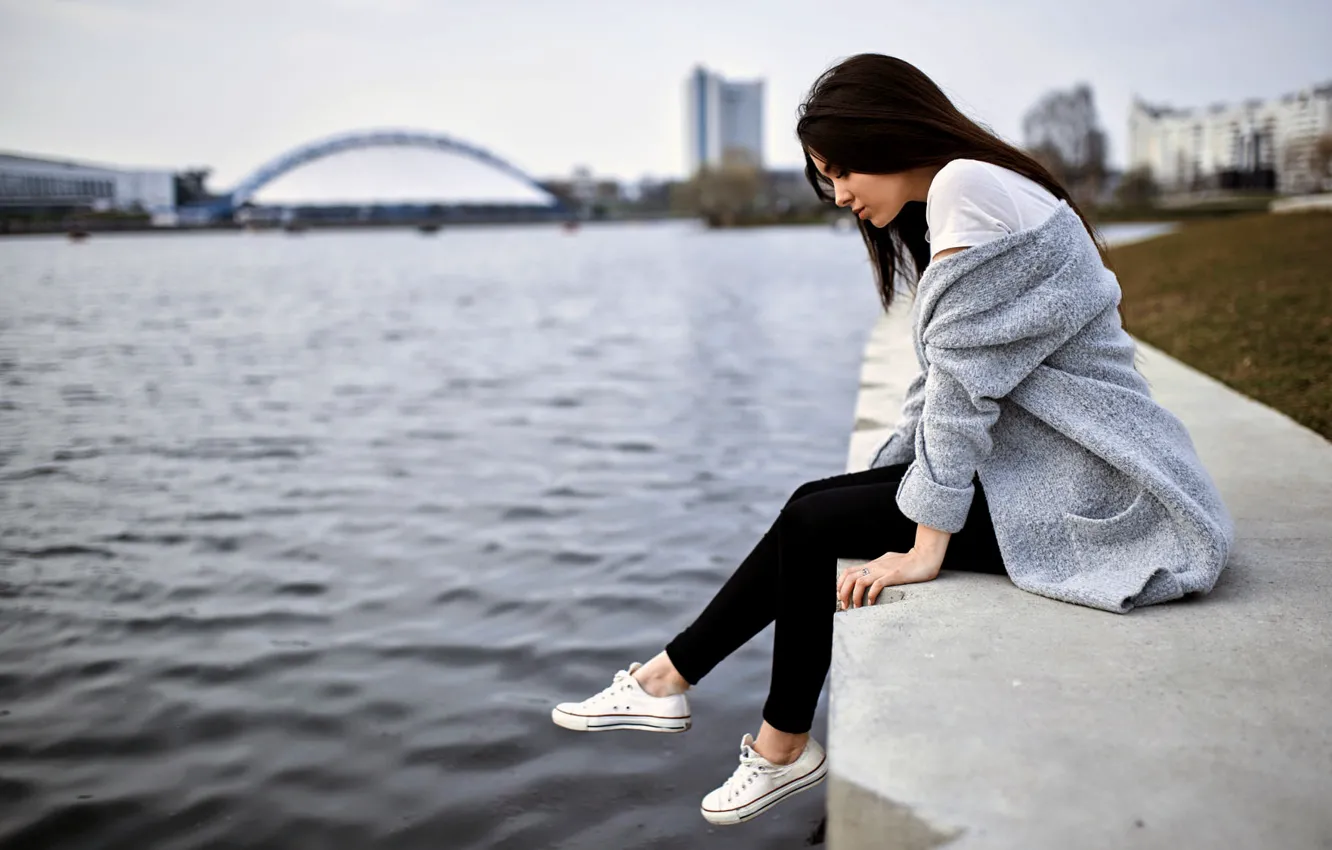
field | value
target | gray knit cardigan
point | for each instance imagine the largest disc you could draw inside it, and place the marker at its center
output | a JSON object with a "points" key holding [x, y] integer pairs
{"points": [[1028, 383]]}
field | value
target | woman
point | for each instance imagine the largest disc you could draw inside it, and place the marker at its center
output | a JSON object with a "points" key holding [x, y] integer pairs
{"points": [[1028, 445]]}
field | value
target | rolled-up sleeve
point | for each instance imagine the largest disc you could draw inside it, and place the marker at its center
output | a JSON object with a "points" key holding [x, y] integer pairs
{"points": [[952, 440], [977, 349]]}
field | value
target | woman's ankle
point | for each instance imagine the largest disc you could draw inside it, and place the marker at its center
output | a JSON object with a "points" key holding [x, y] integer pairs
{"points": [[659, 678], [661, 687], [779, 747]]}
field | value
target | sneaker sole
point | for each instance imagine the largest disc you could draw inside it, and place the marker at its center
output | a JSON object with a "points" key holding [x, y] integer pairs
{"points": [[758, 807], [607, 723]]}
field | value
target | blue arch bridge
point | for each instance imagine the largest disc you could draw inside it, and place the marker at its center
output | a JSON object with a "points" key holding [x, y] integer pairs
{"points": [[227, 205]]}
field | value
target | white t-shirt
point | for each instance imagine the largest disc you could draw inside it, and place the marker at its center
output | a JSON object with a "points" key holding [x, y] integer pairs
{"points": [[971, 202]]}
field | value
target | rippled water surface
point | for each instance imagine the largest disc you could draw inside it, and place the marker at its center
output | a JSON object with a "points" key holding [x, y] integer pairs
{"points": [[301, 537]]}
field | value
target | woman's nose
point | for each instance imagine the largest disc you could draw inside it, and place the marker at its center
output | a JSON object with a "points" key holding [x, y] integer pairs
{"points": [[842, 197]]}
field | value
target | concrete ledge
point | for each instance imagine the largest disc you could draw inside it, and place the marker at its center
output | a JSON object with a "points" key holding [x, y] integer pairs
{"points": [[1302, 203], [969, 714]]}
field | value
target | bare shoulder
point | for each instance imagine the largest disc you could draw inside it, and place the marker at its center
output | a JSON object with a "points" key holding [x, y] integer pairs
{"points": [[947, 252]]}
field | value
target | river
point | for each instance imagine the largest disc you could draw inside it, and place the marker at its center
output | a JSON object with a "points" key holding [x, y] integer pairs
{"points": [[302, 536]]}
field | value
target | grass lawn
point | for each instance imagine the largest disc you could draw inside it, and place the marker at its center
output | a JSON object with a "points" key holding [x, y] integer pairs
{"points": [[1246, 299]]}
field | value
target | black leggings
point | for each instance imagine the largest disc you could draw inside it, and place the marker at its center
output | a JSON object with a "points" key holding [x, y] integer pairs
{"points": [[788, 575]]}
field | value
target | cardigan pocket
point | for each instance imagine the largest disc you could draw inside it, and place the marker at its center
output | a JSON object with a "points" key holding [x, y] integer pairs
{"points": [[1133, 518], [1139, 546]]}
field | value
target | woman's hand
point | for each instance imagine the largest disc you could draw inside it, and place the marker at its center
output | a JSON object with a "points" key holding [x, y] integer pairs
{"points": [[861, 585]]}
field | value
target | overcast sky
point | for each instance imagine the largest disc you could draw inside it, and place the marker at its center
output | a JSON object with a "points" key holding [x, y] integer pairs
{"points": [[554, 84]]}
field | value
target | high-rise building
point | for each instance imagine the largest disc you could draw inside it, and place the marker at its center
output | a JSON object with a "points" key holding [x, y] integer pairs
{"points": [[723, 121], [1258, 144]]}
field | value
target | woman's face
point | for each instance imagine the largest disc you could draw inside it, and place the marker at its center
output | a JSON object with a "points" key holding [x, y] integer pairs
{"points": [[876, 198]]}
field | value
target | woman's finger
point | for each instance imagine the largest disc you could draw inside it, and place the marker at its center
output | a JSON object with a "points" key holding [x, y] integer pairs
{"points": [[873, 594], [845, 590], [850, 578], [858, 593]]}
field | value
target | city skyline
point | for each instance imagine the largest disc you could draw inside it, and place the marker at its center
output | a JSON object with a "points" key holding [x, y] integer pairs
{"points": [[152, 84]]}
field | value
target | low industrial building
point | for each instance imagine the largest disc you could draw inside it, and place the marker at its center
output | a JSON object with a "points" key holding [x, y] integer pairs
{"points": [[35, 187]]}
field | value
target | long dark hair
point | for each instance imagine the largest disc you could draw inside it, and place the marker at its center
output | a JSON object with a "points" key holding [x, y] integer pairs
{"points": [[876, 114]]}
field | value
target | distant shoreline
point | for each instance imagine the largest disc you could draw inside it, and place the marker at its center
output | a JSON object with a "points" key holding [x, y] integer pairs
{"points": [[1221, 208]]}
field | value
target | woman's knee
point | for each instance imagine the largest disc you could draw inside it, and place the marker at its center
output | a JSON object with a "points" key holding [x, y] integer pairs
{"points": [[882, 475], [809, 488], [802, 517], [800, 492]]}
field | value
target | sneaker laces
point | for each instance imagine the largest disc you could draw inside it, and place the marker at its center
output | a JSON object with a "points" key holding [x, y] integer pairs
{"points": [[751, 766], [618, 684]]}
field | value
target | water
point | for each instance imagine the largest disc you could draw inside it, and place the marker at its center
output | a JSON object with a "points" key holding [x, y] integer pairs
{"points": [[301, 537]]}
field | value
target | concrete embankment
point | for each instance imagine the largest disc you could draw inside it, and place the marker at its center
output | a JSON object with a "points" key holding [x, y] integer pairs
{"points": [[970, 714]]}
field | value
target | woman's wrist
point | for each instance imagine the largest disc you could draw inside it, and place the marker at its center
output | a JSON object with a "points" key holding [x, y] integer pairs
{"points": [[931, 543]]}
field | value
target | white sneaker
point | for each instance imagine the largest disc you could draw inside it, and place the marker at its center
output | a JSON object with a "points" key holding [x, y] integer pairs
{"points": [[758, 784], [625, 705]]}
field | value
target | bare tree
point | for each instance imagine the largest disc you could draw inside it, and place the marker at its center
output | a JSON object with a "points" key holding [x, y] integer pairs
{"points": [[1063, 131], [724, 195], [1322, 162], [1136, 188], [1049, 156]]}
